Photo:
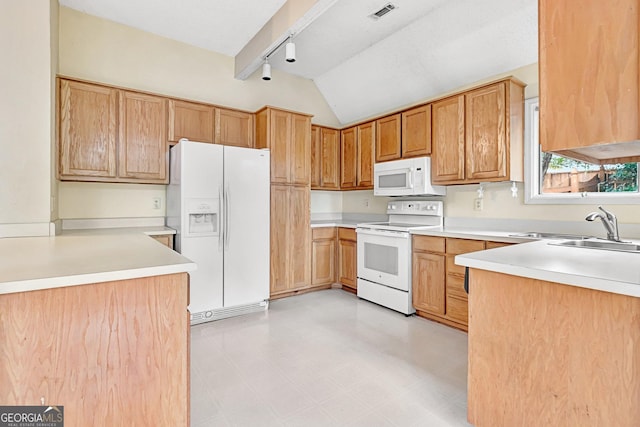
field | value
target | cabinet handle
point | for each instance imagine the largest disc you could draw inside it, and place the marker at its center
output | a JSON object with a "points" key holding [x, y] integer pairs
{"points": [[466, 279]]}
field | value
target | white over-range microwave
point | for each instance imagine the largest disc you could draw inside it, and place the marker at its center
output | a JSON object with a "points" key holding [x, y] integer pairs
{"points": [[406, 177]]}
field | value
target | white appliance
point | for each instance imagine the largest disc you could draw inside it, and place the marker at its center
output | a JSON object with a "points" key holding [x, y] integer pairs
{"points": [[218, 201], [406, 177], [384, 252]]}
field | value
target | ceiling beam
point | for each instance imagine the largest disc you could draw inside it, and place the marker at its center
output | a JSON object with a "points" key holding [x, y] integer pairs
{"points": [[293, 17]]}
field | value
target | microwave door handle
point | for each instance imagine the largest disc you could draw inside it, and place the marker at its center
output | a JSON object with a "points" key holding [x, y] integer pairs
{"points": [[411, 178]]}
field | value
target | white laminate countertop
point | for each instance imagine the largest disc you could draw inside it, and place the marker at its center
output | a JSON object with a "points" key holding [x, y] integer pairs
{"points": [[336, 223], [474, 234], [609, 271], [81, 257]]}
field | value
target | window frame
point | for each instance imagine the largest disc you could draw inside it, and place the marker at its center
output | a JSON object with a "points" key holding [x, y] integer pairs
{"points": [[532, 193]]}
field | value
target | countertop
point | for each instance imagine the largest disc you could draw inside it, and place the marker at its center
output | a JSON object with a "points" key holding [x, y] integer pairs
{"points": [[609, 271], [79, 257], [475, 234], [336, 223]]}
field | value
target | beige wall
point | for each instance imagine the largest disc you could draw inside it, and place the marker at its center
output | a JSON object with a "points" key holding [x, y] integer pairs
{"points": [[99, 50], [26, 129]]}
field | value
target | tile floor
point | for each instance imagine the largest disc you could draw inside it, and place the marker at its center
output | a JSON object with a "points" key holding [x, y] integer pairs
{"points": [[327, 359]]}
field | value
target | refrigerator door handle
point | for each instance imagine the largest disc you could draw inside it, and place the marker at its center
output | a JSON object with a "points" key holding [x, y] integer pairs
{"points": [[226, 219], [220, 223]]}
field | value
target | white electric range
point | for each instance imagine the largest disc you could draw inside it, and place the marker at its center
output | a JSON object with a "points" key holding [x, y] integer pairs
{"points": [[384, 252]]}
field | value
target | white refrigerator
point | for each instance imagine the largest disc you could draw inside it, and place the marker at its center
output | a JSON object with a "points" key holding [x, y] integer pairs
{"points": [[218, 201]]}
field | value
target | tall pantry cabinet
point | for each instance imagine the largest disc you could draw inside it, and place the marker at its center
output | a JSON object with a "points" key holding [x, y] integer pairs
{"points": [[288, 136]]}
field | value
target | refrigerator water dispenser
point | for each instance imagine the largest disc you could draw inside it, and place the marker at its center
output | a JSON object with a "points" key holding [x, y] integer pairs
{"points": [[203, 217]]}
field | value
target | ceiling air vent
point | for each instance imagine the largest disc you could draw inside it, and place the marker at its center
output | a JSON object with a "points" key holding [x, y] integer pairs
{"points": [[380, 13]]}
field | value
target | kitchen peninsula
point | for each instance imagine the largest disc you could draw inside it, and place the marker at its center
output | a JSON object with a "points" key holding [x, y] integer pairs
{"points": [[97, 323], [554, 336]]}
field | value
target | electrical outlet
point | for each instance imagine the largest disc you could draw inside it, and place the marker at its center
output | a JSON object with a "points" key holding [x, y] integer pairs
{"points": [[157, 203], [365, 202], [477, 204]]}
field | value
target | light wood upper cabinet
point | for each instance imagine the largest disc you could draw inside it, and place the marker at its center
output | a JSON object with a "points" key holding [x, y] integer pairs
{"points": [[589, 75], [486, 145], [288, 136], [479, 135], [143, 137], [388, 140], [234, 128], [111, 135], [447, 163], [87, 130], [416, 132], [325, 158], [190, 120], [300, 146], [366, 143], [349, 158]]}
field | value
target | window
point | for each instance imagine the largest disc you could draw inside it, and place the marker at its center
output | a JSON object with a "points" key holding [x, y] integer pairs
{"points": [[552, 178]]}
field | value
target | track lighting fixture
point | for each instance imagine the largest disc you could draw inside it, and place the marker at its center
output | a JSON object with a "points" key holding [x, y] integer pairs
{"points": [[266, 69], [290, 50]]}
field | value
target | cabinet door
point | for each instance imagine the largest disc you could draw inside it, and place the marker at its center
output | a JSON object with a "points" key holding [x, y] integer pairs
{"points": [[486, 133], [190, 120], [279, 238], [416, 132], [388, 138], [234, 128], [448, 140], [323, 255], [347, 263], [349, 158], [366, 143], [316, 157], [143, 144], [279, 142], [300, 146], [429, 282], [87, 130], [299, 237], [330, 159], [588, 73]]}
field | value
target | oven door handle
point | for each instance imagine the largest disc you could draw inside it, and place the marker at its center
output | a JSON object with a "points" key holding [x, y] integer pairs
{"points": [[383, 233]]}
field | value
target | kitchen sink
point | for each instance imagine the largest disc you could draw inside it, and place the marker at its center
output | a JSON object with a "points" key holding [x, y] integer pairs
{"points": [[537, 235], [604, 245]]}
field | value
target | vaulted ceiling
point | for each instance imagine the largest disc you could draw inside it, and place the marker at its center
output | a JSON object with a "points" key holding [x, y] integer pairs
{"points": [[362, 66]]}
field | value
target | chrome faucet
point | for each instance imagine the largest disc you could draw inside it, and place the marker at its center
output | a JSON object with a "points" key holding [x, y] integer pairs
{"points": [[609, 221]]}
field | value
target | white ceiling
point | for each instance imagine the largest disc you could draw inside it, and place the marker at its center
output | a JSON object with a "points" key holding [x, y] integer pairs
{"points": [[363, 67]]}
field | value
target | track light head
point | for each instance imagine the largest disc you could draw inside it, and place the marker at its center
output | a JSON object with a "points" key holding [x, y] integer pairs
{"points": [[290, 50], [266, 70]]}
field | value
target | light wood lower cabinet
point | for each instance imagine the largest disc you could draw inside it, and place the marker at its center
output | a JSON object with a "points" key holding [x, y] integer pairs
{"points": [[110, 353], [323, 256], [548, 354], [290, 240], [347, 259], [165, 239], [438, 282]]}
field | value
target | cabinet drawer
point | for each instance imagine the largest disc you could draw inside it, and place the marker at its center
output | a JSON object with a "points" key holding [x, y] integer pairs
{"points": [[492, 245], [347, 234], [428, 244], [457, 309], [455, 287], [165, 239], [452, 267], [462, 246], [323, 233]]}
